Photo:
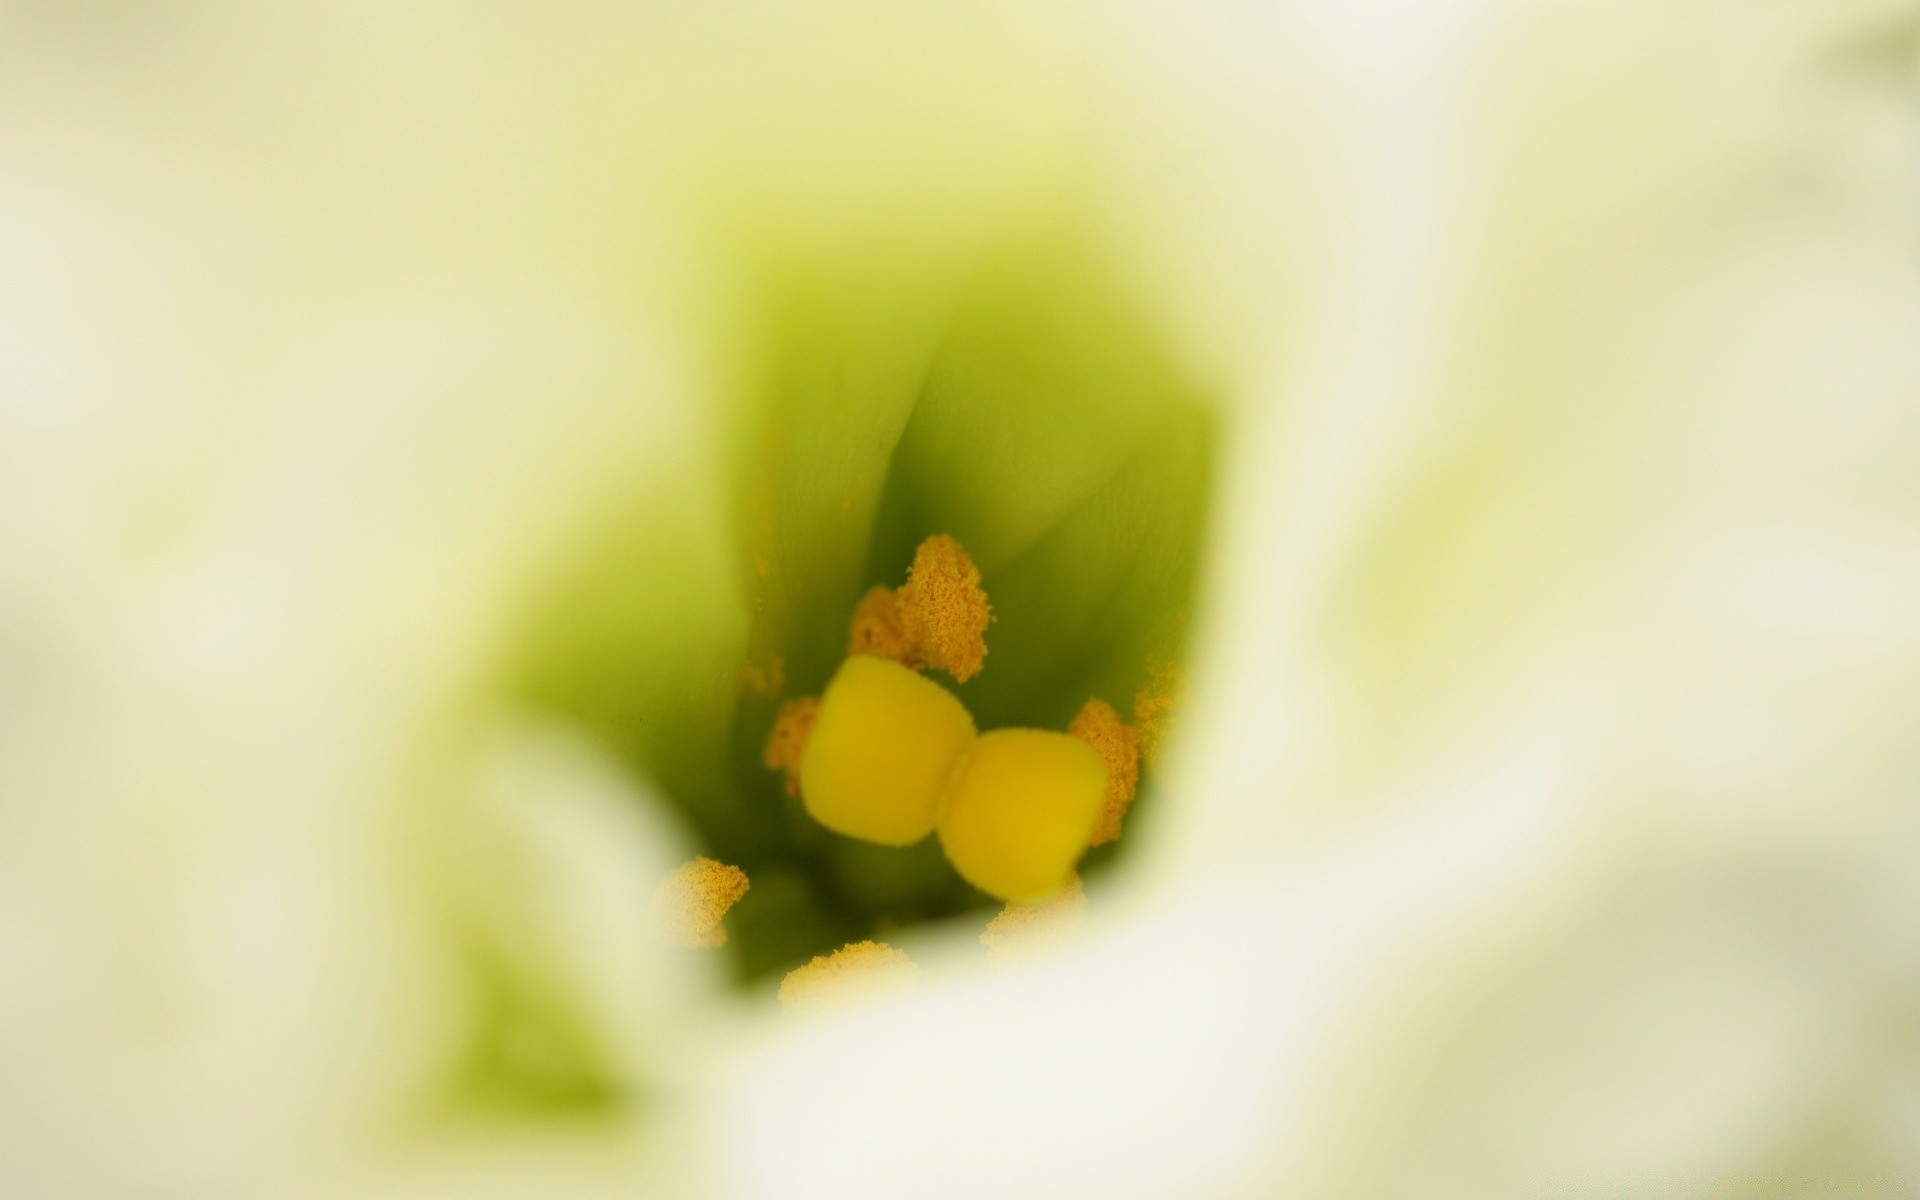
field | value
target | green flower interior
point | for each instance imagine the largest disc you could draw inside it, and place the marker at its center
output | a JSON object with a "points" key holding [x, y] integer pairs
{"points": [[1026, 407]]}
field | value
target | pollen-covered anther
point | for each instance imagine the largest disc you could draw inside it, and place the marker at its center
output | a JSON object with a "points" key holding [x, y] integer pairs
{"points": [[687, 906], [944, 610], [883, 745], [1099, 726], [856, 971], [1153, 706], [1017, 813], [787, 741], [878, 629], [1020, 929]]}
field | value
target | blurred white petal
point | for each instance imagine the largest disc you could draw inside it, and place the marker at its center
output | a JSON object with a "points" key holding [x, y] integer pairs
{"points": [[1543, 821]]}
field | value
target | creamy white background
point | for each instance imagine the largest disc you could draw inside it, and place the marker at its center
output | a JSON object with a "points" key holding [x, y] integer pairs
{"points": [[1557, 841]]}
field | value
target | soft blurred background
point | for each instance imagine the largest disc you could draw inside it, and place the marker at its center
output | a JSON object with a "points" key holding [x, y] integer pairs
{"points": [[433, 437]]}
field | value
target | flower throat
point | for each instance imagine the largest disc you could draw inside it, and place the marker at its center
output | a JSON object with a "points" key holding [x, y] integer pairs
{"points": [[888, 756]]}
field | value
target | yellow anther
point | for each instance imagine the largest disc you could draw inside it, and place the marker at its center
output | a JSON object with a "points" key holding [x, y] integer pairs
{"points": [[788, 739], [884, 742], [1119, 745], [1021, 928], [687, 906], [944, 610], [876, 629], [1153, 706], [854, 971], [1018, 811]]}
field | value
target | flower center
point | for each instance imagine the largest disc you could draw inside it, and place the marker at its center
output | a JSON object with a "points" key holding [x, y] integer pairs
{"points": [[916, 677], [889, 756]]}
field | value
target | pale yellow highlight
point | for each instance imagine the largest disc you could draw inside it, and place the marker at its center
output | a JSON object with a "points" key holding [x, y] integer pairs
{"points": [[1099, 726], [859, 970], [687, 907]]}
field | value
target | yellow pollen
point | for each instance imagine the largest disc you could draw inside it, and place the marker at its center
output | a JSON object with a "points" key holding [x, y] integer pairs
{"points": [[883, 744], [687, 906], [854, 971], [1153, 706], [1021, 928], [1020, 807], [788, 739], [1119, 745], [944, 610], [877, 629], [765, 679]]}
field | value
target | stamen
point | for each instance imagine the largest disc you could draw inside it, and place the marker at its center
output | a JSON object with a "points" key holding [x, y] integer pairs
{"points": [[1019, 809], [687, 906], [877, 629], [883, 745], [1153, 706], [1119, 745], [854, 971], [944, 610], [1022, 928], [788, 739]]}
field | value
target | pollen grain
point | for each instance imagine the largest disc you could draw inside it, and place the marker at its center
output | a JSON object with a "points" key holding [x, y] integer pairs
{"points": [[788, 739], [1100, 726], [1153, 706], [687, 906], [944, 610], [1021, 928], [856, 970], [877, 629], [766, 678]]}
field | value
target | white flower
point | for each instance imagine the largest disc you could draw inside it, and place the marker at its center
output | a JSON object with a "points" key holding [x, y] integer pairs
{"points": [[417, 421]]}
